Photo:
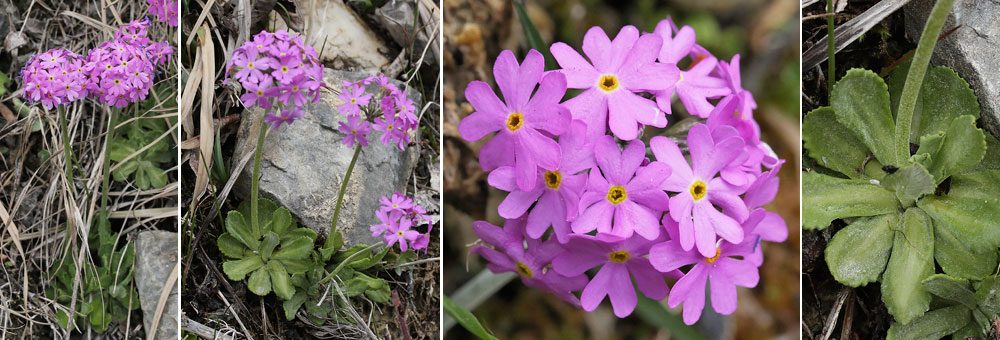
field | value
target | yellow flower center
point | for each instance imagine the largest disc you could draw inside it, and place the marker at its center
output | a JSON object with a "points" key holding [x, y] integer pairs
{"points": [[698, 190], [389, 128], [515, 121], [284, 69], [616, 194], [608, 83], [400, 233], [354, 132], [117, 81], [260, 93], [250, 65], [524, 270], [354, 101], [619, 256], [553, 179], [713, 258]]}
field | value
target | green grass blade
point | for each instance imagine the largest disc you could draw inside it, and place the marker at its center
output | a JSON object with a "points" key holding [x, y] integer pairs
{"points": [[466, 319], [531, 33], [655, 314]]}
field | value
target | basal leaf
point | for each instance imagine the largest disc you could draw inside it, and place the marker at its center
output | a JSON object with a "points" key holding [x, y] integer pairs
{"points": [[238, 228], [970, 209], [992, 159], [294, 249], [912, 261], [861, 102], [297, 233], [296, 266], [910, 183], [957, 260], [281, 219], [265, 208], [831, 144], [858, 253], [280, 281], [267, 245], [260, 281], [988, 295], [231, 247], [826, 198], [964, 145], [943, 96], [237, 270], [291, 306], [934, 325], [466, 319], [951, 288], [379, 294]]}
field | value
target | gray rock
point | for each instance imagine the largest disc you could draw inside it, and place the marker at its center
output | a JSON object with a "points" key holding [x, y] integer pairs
{"points": [[397, 17], [302, 166], [973, 50], [155, 257]]}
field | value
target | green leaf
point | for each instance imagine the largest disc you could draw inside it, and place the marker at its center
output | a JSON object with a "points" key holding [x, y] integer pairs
{"points": [[379, 294], [231, 247], [296, 233], [267, 245], [466, 319], [951, 288], [910, 183], [964, 145], [280, 281], [99, 318], [970, 210], [296, 266], [292, 305], [236, 270], [281, 220], [957, 260], [992, 159], [238, 228], [861, 102], [654, 313], [826, 198], [260, 282], [333, 243], [934, 325], [988, 294], [295, 249], [912, 261], [943, 96], [857, 254], [831, 144], [531, 33]]}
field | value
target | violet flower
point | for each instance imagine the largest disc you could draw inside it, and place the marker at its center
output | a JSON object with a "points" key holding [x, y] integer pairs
{"points": [[529, 258], [354, 98], [722, 270], [696, 84], [355, 130], [522, 121], [621, 261], [617, 69], [623, 197], [699, 190], [53, 78]]}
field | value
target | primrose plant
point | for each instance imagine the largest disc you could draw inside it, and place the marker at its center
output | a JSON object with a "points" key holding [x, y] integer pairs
{"points": [[283, 76], [583, 195], [117, 73], [917, 183]]}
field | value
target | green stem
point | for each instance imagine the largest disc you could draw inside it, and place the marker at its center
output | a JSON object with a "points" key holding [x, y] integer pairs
{"points": [[67, 150], [346, 261], [255, 225], [107, 161], [340, 195], [831, 49], [915, 77]]}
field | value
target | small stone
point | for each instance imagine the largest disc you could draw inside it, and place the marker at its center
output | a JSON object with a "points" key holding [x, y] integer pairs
{"points": [[155, 257], [303, 165], [972, 50]]}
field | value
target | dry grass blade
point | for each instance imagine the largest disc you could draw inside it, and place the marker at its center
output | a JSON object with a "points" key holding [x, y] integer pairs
{"points": [[849, 32], [201, 18], [162, 303], [89, 21], [153, 213], [187, 99], [15, 237], [207, 136]]}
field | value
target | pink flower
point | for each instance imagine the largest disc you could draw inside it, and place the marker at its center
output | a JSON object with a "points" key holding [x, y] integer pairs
{"points": [[522, 121], [355, 131], [616, 71], [700, 191], [400, 232], [283, 117], [354, 98], [623, 197]]}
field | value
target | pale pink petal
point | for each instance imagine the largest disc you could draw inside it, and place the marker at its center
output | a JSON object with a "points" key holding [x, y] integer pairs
{"points": [[594, 217], [609, 159], [497, 152], [517, 203], [620, 48], [649, 281], [720, 224], [668, 256], [503, 178], [631, 217], [595, 46], [590, 107], [580, 74], [730, 203], [621, 292], [666, 151], [723, 293]]}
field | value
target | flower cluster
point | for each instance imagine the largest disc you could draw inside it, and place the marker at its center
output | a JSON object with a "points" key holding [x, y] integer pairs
{"points": [[54, 78], [280, 74], [165, 10], [389, 111], [400, 217], [116, 73], [583, 194]]}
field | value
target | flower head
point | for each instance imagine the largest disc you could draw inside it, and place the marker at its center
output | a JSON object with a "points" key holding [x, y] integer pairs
{"points": [[617, 70], [354, 98], [289, 116], [119, 73], [524, 123], [54, 78], [355, 131]]}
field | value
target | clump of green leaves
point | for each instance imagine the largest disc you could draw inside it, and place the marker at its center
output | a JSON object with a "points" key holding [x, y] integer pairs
{"points": [[283, 258], [269, 255], [106, 290], [940, 205], [146, 168]]}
